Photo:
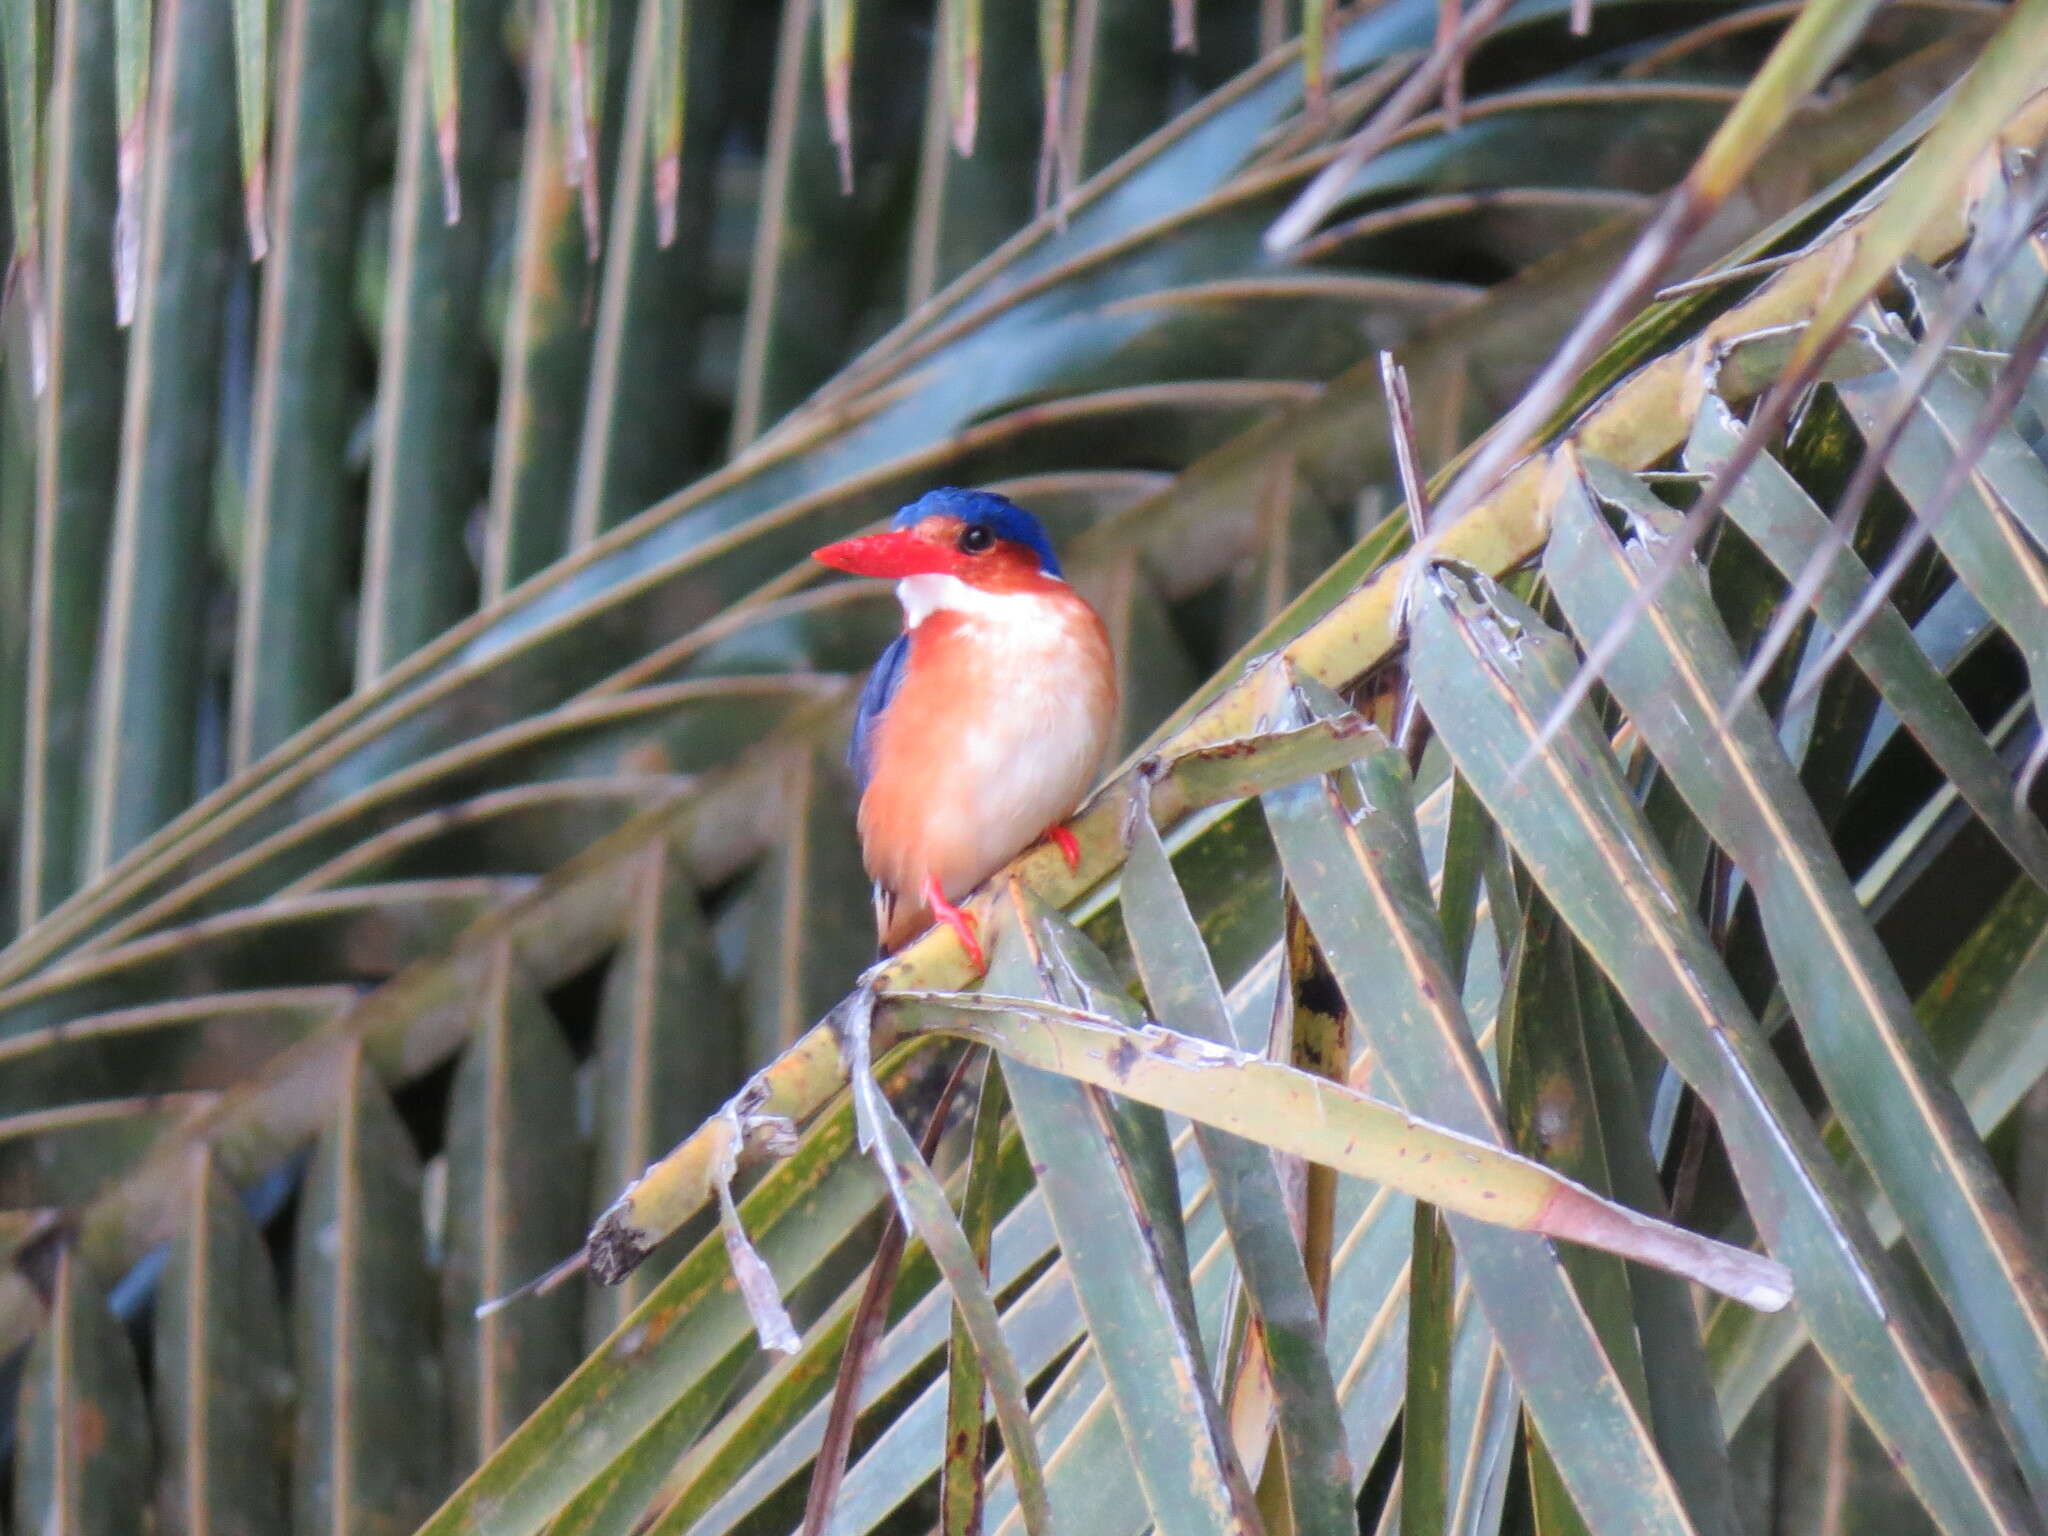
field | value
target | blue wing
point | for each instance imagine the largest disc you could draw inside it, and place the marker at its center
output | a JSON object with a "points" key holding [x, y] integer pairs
{"points": [[875, 695]]}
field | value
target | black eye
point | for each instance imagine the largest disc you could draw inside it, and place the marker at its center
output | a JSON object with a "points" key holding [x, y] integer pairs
{"points": [[976, 540]]}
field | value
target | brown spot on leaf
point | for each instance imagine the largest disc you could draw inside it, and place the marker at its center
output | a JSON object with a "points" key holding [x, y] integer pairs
{"points": [[90, 1427], [1558, 1126]]}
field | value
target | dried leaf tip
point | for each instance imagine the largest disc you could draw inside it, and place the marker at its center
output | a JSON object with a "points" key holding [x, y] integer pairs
{"points": [[750, 1272], [668, 189], [444, 96], [962, 39], [1448, 16], [255, 193], [670, 21], [446, 144], [1315, 42], [580, 146], [837, 36], [967, 109], [1750, 1278], [545, 1283], [837, 110], [1054, 171], [128, 224]]}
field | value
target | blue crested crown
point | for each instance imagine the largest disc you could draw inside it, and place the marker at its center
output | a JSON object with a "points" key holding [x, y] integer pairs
{"points": [[998, 514]]}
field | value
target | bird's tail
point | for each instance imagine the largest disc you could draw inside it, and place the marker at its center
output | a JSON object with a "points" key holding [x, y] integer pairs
{"points": [[897, 921]]}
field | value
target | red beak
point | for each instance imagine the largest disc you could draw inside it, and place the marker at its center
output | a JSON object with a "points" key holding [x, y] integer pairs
{"points": [[895, 554]]}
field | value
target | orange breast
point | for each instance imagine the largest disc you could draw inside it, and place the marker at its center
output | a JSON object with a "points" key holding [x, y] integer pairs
{"points": [[995, 735]]}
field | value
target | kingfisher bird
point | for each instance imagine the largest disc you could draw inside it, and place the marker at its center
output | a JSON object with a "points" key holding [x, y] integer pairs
{"points": [[982, 726]]}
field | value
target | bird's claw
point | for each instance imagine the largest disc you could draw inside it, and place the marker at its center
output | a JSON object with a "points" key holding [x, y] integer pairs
{"points": [[1064, 840], [962, 923]]}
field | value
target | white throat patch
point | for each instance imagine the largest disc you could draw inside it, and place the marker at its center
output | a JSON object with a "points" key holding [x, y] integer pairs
{"points": [[922, 596]]}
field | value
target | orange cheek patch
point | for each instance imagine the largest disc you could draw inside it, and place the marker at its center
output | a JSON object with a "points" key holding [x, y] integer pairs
{"points": [[1005, 568]]}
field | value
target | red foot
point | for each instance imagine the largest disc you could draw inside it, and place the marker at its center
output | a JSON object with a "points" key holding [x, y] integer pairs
{"points": [[962, 923], [1063, 840]]}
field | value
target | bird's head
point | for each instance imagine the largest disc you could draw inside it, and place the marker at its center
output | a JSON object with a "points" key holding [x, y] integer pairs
{"points": [[982, 539]]}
